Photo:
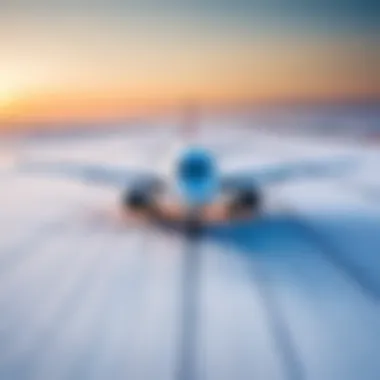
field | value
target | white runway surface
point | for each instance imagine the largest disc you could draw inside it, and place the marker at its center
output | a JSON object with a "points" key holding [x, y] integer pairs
{"points": [[294, 295]]}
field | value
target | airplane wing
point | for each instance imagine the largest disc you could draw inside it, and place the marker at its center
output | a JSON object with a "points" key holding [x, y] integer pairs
{"points": [[93, 173], [278, 173]]}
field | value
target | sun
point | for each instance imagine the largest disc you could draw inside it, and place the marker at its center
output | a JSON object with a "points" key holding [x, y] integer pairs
{"points": [[7, 97], [8, 101]]}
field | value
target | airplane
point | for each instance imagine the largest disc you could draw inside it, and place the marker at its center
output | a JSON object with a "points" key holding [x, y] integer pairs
{"points": [[196, 188]]}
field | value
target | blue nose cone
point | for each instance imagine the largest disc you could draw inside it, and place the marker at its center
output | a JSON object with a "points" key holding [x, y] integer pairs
{"points": [[197, 176]]}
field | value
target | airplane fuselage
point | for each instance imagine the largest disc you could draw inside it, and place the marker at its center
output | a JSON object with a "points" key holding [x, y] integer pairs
{"points": [[196, 177], [193, 189]]}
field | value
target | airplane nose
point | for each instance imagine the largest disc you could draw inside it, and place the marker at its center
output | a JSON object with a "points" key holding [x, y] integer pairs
{"points": [[196, 175]]}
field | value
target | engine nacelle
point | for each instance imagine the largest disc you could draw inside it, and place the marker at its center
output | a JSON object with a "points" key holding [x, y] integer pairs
{"points": [[137, 200], [245, 200], [142, 197]]}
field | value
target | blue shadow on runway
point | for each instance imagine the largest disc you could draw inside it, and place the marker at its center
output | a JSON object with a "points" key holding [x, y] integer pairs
{"points": [[322, 266], [351, 245]]}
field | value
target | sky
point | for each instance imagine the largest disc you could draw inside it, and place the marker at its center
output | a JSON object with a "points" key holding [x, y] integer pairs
{"points": [[94, 59]]}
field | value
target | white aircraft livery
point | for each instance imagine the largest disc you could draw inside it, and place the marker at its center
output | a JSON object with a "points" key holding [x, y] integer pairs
{"points": [[194, 186]]}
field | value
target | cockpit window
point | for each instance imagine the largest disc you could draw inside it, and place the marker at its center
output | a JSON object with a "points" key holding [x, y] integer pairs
{"points": [[195, 168]]}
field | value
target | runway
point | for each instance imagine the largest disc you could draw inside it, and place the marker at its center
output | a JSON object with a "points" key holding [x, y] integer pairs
{"points": [[294, 295]]}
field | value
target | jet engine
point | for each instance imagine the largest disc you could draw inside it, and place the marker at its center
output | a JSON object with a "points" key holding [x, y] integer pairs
{"points": [[244, 200], [141, 197]]}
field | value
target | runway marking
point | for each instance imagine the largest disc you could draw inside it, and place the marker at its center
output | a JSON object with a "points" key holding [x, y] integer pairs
{"points": [[32, 279], [90, 322], [289, 355], [293, 366], [333, 255], [34, 348], [13, 256], [189, 306]]}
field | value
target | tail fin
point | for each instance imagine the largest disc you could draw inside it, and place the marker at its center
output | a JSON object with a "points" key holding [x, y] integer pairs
{"points": [[190, 124]]}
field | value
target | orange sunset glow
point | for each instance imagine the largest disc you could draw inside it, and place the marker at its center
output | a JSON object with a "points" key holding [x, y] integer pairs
{"points": [[67, 64]]}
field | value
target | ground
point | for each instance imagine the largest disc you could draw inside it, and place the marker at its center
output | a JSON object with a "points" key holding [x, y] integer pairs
{"points": [[293, 295]]}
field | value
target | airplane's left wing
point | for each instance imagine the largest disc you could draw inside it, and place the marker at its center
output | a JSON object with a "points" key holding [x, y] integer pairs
{"points": [[93, 173]]}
